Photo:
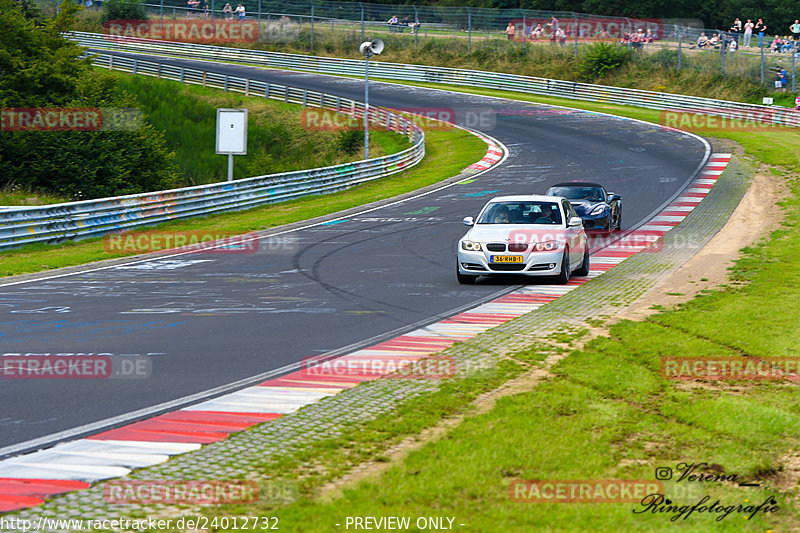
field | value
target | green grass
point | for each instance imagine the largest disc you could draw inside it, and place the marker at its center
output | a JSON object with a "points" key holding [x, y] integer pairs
{"points": [[605, 413], [448, 152], [277, 139]]}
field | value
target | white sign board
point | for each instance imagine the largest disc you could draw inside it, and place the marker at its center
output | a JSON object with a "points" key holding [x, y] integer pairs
{"points": [[767, 100], [232, 131]]}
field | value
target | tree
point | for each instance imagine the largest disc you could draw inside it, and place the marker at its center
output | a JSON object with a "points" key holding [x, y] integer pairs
{"points": [[41, 69]]}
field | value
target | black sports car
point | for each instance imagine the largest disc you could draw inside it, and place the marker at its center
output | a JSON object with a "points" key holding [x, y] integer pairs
{"points": [[600, 210]]}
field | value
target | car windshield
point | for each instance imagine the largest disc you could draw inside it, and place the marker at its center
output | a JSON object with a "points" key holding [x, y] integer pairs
{"points": [[521, 213], [594, 194]]}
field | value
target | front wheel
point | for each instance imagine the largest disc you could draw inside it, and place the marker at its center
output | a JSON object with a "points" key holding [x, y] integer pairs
{"points": [[563, 276], [464, 279]]}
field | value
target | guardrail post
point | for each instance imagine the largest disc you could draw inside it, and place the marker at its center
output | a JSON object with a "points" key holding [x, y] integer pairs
{"points": [[338, 104], [416, 29], [266, 91], [286, 95], [225, 87], [322, 100], [305, 98], [247, 87], [181, 76], [135, 66], [158, 72], [204, 78], [469, 30], [110, 62]]}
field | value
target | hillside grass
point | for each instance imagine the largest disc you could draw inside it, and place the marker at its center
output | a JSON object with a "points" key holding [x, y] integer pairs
{"points": [[606, 412]]}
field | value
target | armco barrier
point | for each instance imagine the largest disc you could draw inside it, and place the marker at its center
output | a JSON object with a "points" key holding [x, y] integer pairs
{"points": [[58, 222], [470, 78]]}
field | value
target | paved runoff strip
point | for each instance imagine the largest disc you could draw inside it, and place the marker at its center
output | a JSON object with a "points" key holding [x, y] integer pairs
{"points": [[26, 480]]}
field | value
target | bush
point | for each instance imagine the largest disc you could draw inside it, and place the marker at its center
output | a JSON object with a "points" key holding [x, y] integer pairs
{"points": [[349, 141], [601, 58], [666, 58], [123, 10]]}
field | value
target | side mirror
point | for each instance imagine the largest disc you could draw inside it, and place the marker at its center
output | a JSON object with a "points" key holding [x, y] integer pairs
{"points": [[575, 222], [613, 196], [468, 221]]}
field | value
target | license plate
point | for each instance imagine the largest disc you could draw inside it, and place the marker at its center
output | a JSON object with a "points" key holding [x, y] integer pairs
{"points": [[505, 259]]}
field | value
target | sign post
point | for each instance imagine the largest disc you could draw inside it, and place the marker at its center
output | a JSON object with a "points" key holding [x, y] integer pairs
{"points": [[231, 134]]}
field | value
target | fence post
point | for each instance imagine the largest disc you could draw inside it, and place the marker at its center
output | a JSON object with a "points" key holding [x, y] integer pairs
{"points": [[469, 30], [524, 48], [576, 34], [722, 41], [258, 17], [312, 25], [416, 30], [161, 11], [794, 53], [762, 62], [680, 51], [269, 23], [362, 21]]}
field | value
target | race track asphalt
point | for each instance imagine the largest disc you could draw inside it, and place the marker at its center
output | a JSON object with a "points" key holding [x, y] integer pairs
{"points": [[210, 319]]}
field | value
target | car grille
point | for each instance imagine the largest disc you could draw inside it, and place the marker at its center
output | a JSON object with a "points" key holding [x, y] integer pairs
{"points": [[503, 267], [517, 246], [496, 247]]}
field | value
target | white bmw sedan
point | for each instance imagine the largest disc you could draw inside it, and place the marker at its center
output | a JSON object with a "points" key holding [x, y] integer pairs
{"points": [[529, 235]]}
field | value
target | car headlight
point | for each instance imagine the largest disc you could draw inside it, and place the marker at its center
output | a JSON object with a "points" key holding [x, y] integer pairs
{"points": [[599, 209], [471, 246], [547, 246]]}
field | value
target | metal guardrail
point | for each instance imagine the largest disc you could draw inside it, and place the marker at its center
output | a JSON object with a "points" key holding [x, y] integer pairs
{"points": [[59, 222], [758, 114]]}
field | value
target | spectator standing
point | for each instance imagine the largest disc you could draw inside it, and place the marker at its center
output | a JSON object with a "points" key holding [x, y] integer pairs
{"points": [[761, 30], [795, 29], [227, 12], [511, 30], [736, 29], [748, 32]]}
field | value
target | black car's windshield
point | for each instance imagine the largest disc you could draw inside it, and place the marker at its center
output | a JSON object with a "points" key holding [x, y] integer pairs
{"points": [[594, 194], [521, 213]]}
